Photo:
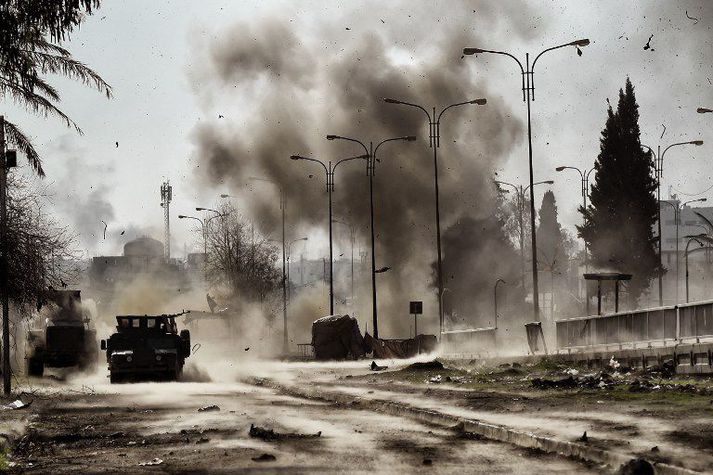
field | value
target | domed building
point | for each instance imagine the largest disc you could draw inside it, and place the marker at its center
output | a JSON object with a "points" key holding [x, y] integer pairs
{"points": [[142, 257]]}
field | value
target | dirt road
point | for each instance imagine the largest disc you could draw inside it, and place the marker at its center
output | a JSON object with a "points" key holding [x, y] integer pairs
{"points": [[82, 428], [329, 418]]}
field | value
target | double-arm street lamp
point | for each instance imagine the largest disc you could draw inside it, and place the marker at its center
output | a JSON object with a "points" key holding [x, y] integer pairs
{"points": [[434, 141], [520, 192], [677, 219], [329, 170], [370, 171], [285, 346], [528, 95], [204, 223], [658, 167], [584, 174]]}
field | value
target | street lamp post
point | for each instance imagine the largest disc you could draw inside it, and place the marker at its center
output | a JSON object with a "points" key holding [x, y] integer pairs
{"points": [[434, 136], [658, 167], [204, 223], [495, 299], [677, 219], [698, 238], [584, 174], [370, 171], [528, 95], [329, 170], [289, 254], [285, 345], [352, 238], [520, 192]]}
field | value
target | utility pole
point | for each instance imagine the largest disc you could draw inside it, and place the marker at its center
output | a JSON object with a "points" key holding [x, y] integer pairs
{"points": [[166, 197], [3, 265]]}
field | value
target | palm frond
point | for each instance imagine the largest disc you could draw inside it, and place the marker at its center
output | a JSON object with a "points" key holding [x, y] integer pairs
{"points": [[43, 44], [71, 68], [35, 102], [16, 137]]}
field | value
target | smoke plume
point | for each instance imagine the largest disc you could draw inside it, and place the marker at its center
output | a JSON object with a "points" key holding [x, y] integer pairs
{"points": [[275, 88]]}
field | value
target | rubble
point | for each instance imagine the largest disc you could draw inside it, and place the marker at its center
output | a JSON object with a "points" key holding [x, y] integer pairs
{"points": [[212, 407], [17, 404], [270, 434], [636, 467], [376, 367], [425, 366], [155, 461], [264, 458]]}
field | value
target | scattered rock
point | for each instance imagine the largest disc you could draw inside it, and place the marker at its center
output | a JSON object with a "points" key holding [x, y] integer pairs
{"points": [[264, 458], [655, 449], [565, 383], [212, 407], [427, 462], [155, 461], [376, 367], [269, 434], [636, 467]]}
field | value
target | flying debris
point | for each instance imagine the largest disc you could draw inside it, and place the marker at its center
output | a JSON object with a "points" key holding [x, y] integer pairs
{"points": [[695, 20], [648, 44]]}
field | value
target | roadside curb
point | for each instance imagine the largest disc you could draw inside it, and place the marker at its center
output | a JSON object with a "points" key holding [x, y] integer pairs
{"points": [[488, 431]]}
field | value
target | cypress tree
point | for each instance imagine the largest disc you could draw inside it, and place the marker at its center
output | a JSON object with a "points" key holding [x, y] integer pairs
{"points": [[618, 223], [550, 236]]}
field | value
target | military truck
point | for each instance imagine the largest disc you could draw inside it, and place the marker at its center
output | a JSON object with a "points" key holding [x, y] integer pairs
{"points": [[65, 336], [146, 347]]}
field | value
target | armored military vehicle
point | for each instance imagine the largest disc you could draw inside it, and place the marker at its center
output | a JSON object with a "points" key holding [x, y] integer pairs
{"points": [[65, 336], [146, 347]]}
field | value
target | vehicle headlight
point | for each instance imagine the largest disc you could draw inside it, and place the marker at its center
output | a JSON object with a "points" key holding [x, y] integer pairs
{"points": [[129, 359], [158, 357]]}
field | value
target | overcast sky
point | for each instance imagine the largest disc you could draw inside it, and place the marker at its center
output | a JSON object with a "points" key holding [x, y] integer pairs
{"points": [[153, 54]]}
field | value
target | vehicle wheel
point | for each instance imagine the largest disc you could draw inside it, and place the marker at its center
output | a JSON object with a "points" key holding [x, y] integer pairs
{"points": [[35, 366]]}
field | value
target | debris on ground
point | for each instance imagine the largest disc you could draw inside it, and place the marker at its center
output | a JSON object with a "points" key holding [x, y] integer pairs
{"points": [[264, 458], [376, 367], [435, 379], [17, 404], [636, 467], [427, 462], [614, 364], [655, 449], [565, 383], [203, 440], [270, 434], [212, 407], [155, 461], [584, 437], [572, 371], [425, 366]]}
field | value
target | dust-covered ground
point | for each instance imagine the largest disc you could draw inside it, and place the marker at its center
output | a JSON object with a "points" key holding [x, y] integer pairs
{"points": [[71, 428], [84, 424]]}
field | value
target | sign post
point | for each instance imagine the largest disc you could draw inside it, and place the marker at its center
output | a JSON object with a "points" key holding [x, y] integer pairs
{"points": [[416, 308]]}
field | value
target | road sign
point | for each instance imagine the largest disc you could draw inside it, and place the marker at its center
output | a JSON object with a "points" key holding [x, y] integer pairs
{"points": [[416, 308]]}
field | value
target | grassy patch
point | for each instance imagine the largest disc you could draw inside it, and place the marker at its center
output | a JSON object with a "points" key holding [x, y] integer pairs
{"points": [[4, 465]]}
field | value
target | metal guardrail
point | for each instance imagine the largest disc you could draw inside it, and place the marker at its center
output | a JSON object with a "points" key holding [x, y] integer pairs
{"points": [[670, 323]]}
